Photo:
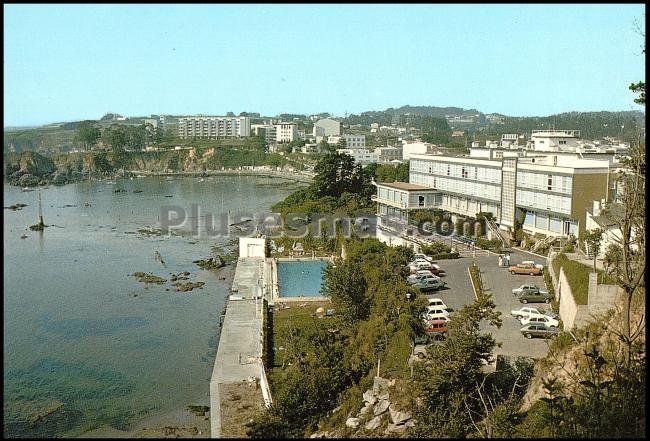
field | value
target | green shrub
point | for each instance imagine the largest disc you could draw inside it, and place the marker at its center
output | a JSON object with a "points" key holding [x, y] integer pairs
{"points": [[494, 244], [475, 273], [435, 247], [577, 275], [444, 256]]}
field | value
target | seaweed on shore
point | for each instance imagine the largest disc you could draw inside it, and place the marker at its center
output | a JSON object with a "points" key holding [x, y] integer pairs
{"points": [[198, 410], [148, 278], [187, 286]]}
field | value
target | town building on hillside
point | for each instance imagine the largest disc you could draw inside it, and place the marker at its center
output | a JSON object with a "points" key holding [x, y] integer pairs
{"points": [[605, 217], [388, 154], [411, 147], [286, 132], [326, 127], [267, 131], [361, 156], [355, 141], [213, 127]]}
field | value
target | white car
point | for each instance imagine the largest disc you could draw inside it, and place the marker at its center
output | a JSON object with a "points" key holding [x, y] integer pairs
{"points": [[414, 278], [426, 273], [531, 262], [540, 319], [420, 265], [420, 256], [525, 311], [437, 302], [436, 313]]}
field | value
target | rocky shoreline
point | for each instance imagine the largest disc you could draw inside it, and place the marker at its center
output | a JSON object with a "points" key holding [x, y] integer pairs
{"points": [[30, 169]]}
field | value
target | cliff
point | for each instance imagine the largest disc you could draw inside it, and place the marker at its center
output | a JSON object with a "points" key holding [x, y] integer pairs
{"points": [[30, 169]]}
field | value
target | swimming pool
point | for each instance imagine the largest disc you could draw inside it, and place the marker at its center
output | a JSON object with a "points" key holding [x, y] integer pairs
{"points": [[300, 277]]}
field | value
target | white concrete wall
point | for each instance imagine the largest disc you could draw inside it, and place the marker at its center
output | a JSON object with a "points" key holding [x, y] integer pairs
{"points": [[602, 297], [572, 314], [252, 247]]}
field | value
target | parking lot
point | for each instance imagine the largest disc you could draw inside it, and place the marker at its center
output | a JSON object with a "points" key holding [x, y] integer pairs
{"points": [[500, 283]]}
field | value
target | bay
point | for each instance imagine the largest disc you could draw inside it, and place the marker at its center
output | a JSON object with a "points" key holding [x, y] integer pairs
{"points": [[85, 337]]}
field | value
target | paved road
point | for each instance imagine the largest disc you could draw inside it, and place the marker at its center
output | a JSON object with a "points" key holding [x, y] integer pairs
{"points": [[500, 282]]}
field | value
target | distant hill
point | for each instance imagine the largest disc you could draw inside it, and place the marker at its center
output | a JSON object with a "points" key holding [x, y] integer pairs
{"points": [[58, 137], [592, 125]]}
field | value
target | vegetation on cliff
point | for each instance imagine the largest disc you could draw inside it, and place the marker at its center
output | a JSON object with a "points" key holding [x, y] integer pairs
{"points": [[373, 319], [31, 168]]}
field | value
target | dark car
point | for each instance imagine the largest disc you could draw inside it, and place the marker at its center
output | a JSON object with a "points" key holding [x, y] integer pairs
{"points": [[429, 284], [539, 330], [531, 293]]}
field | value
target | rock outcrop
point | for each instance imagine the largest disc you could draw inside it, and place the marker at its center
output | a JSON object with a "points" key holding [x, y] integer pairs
{"points": [[215, 262], [378, 412]]}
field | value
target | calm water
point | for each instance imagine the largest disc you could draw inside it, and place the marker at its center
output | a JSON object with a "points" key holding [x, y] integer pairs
{"points": [[300, 278], [80, 331]]}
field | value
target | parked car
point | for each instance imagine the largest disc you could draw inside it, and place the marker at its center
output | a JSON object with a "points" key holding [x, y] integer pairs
{"points": [[424, 272], [532, 262], [531, 293], [437, 302], [526, 287], [436, 312], [539, 330], [435, 269], [429, 284], [414, 278], [525, 311], [422, 257], [540, 318], [525, 268], [436, 328], [423, 265], [420, 265]]}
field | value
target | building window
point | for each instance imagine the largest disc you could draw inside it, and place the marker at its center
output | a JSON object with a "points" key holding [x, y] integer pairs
{"points": [[550, 182], [448, 169], [562, 142]]}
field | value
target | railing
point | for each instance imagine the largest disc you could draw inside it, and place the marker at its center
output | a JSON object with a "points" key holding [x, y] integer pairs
{"points": [[547, 241], [402, 205], [497, 231], [399, 204]]}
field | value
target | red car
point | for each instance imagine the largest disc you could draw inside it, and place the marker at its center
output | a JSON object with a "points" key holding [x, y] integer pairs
{"points": [[436, 328]]}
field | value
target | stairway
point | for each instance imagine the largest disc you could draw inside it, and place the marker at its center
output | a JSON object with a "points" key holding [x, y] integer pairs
{"points": [[501, 235], [540, 243]]}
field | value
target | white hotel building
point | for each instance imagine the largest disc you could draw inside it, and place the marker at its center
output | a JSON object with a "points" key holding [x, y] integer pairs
{"points": [[214, 127], [549, 190], [286, 132]]}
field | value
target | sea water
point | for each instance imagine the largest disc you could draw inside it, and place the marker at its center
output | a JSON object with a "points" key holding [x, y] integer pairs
{"points": [[81, 334]]}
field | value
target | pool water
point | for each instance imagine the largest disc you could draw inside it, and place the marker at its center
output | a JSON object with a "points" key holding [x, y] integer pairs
{"points": [[301, 278]]}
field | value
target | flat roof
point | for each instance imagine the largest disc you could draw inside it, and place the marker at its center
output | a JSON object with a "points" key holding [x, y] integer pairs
{"points": [[404, 186]]}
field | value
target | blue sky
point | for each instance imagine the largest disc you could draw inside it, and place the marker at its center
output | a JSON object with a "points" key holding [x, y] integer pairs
{"points": [[72, 62]]}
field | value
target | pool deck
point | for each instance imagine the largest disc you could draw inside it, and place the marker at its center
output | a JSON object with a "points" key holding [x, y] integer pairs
{"points": [[239, 355]]}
